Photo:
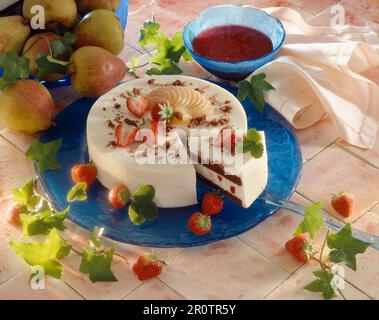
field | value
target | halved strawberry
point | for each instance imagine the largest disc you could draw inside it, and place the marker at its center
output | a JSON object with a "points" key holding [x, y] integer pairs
{"points": [[125, 135], [137, 105], [157, 109]]}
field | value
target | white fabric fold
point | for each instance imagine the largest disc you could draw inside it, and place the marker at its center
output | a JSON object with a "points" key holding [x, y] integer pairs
{"points": [[320, 71]]}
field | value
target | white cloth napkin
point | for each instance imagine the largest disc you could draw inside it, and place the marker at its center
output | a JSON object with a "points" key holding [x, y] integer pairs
{"points": [[320, 71]]}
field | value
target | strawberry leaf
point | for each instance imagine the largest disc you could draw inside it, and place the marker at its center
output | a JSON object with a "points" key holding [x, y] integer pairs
{"points": [[78, 193], [312, 221], [344, 247], [45, 154], [14, 68], [254, 90], [323, 284], [46, 254]]}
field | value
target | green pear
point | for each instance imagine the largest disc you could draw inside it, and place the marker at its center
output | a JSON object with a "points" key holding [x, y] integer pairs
{"points": [[56, 11], [100, 28], [13, 34], [27, 107], [95, 71], [86, 6], [40, 43]]}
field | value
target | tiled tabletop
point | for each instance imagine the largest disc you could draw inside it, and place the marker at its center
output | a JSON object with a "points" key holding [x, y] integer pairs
{"points": [[254, 265]]}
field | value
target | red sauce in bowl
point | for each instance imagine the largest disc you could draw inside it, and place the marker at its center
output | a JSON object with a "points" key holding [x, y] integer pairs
{"points": [[232, 43]]}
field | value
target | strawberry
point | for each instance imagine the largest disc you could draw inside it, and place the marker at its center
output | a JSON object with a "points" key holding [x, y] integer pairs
{"points": [[125, 135], [14, 215], [137, 105], [156, 110], [343, 204], [148, 266], [84, 172], [119, 196], [226, 137], [212, 204], [300, 247], [200, 224]]}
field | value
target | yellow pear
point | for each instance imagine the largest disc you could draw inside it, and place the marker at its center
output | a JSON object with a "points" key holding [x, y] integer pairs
{"points": [[27, 107], [56, 11], [100, 28], [94, 71], [13, 34], [86, 6]]}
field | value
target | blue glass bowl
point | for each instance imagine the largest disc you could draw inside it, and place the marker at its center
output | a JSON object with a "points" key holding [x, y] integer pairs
{"points": [[234, 15], [122, 13]]}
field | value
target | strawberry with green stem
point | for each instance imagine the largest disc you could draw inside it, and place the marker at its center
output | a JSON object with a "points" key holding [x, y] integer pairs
{"points": [[200, 224], [148, 266]]}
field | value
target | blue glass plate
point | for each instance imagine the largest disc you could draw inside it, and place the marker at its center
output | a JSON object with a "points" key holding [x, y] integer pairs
{"points": [[170, 230]]}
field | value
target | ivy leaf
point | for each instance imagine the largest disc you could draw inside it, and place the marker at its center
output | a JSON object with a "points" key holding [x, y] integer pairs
{"points": [[254, 90], [344, 247], [98, 265], [94, 238], [45, 154], [62, 47], [47, 65], [133, 66], [150, 33], [134, 214], [147, 210], [167, 68], [312, 221], [26, 195], [177, 48], [43, 222], [78, 193], [46, 254], [14, 68], [144, 193], [323, 284]]}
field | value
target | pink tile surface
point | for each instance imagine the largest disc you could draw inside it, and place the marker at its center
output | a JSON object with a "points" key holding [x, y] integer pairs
{"points": [[224, 270], [19, 288], [153, 290], [292, 288], [336, 170], [371, 156]]}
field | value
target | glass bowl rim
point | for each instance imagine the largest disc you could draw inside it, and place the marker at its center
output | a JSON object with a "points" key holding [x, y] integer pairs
{"points": [[187, 45]]}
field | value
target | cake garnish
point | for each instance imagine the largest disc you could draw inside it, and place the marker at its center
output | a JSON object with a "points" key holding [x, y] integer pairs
{"points": [[143, 207], [137, 105], [84, 173], [162, 111], [125, 135], [78, 193], [252, 144], [119, 196]]}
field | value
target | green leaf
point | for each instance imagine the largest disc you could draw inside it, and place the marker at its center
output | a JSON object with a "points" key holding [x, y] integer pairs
{"points": [[26, 195], [133, 66], [150, 33], [254, 90], [144, 193], [344, 247], [323, 284], [94, 238], [147, 210], [14, 68], [43, 222], [312, 221], [62, 47], [257, 151], [254, 136], [167, 68], [45, 254], [135, 217], [47, 65], [78, 193], [98, 265], [177, 47], [45, 154]]}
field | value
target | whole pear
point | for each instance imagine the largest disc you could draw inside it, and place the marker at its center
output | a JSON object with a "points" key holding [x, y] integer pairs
{"points": [[86, 6], [95, 71], [100, 28], [56, 11], [40, 43], [13, 33], [27, 107]]}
